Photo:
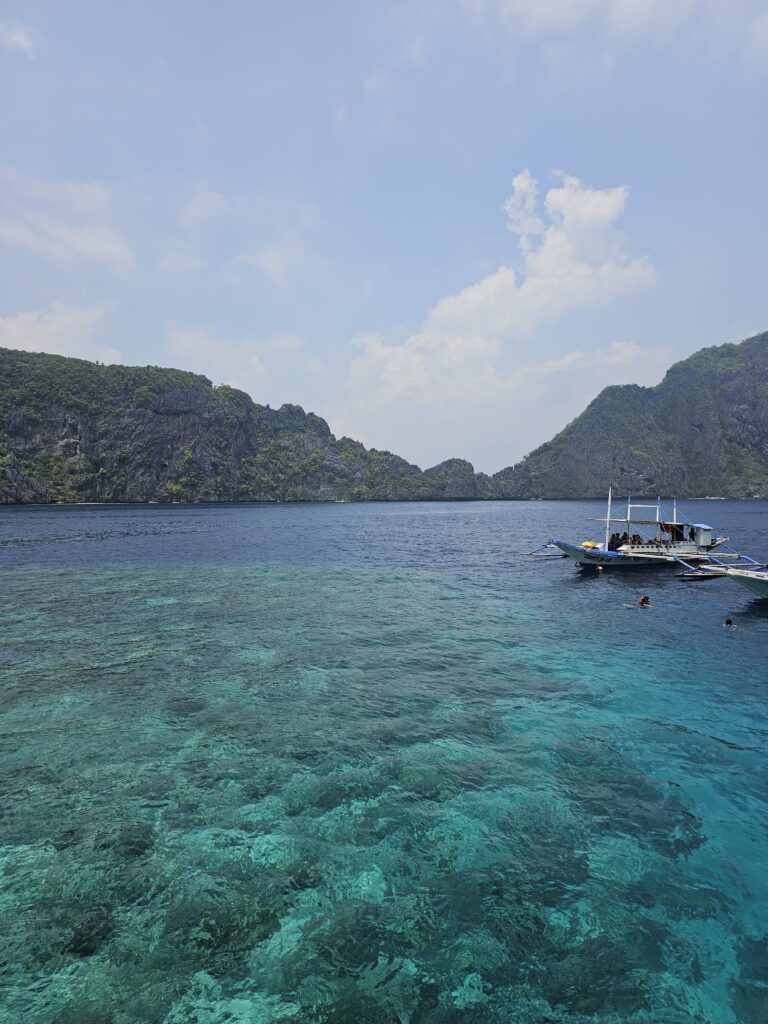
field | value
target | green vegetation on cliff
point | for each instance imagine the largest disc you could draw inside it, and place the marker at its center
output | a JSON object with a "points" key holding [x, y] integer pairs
{"points": [[78, 431], [71, 430], [702, 431]]}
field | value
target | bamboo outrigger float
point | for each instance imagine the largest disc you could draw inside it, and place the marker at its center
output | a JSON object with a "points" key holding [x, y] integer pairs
{"points": [[748, 573]]}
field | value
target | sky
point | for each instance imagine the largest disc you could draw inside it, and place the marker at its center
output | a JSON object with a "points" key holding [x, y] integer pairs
{"points": [[443, 225]]}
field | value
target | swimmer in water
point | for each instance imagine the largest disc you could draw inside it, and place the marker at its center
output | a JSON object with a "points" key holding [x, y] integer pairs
{"points": [[729, 623], [645, 601]]}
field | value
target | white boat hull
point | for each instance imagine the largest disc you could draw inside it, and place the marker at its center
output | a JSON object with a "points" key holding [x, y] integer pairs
{"points": [[756, 581], [632, 556]]}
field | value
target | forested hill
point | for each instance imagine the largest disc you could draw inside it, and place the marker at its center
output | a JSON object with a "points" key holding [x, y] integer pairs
{"points": [[702, 431], [71, 430]]}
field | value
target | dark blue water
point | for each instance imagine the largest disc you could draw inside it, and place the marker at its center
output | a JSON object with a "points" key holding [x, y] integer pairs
{"points": [[368, 763]]}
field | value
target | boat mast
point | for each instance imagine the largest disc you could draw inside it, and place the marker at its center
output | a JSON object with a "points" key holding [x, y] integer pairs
{"points": [[607, 520]]}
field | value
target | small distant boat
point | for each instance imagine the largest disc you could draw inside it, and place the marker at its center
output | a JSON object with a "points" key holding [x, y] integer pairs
{"points": [[673, 541]]}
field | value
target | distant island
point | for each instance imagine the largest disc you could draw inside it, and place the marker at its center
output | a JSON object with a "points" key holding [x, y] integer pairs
{"points": [[72, 430]]}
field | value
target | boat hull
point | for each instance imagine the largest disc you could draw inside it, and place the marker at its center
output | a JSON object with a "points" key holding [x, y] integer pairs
{"points": [[755, 582], [594, 557]]}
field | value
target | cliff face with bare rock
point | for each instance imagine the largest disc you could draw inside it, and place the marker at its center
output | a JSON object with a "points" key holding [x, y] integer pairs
{"points": [[71, 430], [78, 431], [702, 431]]}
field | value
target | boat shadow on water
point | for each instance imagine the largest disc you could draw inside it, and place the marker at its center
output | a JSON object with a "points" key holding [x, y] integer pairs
{"points": [[757, 609], [628, 579]]}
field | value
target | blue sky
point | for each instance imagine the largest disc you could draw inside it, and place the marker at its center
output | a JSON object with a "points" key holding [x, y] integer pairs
{"points": [[443, 226]]}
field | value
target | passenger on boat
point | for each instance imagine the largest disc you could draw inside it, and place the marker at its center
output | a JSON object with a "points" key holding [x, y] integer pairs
{"points": [[625, 538]]}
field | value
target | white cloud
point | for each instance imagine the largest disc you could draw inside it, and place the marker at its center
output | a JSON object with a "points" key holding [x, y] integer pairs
{"points": [[316, 367], [281, 342], [204, 206], [234, 362], [434, 396], [180, 259], [62, 330], [757, 43], [434, 368], [198, 131], [471, 372], [581, 37], [86, 198], [377, 83], [576, 259], [620, 352], [235, 233], [62, 241], [18, 37], [61, 220], [245, 363], [559, 18], [276, 260]]}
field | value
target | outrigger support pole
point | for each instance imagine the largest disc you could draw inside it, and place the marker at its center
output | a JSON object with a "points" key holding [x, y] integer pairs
{"points": [[608, 520]]}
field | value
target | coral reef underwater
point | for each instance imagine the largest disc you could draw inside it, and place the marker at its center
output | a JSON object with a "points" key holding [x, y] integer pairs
{"points": [[244, 794]]}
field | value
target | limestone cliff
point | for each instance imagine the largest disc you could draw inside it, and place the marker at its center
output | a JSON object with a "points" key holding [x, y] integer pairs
{"points": [[71, 430], [702, 431], [78, 431]]}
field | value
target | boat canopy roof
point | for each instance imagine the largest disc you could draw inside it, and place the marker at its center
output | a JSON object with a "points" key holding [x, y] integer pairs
{"points": [[702, 526]]}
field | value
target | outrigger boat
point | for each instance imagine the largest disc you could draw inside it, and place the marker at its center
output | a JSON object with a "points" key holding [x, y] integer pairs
{"points": [[673, 541]]}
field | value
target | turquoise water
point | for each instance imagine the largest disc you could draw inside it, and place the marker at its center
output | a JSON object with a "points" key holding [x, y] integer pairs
{"points": [[351, 764]]}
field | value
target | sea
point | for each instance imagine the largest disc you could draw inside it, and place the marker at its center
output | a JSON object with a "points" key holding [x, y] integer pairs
{"points": [[376, 764]]}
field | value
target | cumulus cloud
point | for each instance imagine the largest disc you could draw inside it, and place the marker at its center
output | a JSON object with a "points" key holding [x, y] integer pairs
{"points": [[22, 38], [64, 221], [472, 367], [575, 258], [61, 330], [436, 368], [434, 397]]}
